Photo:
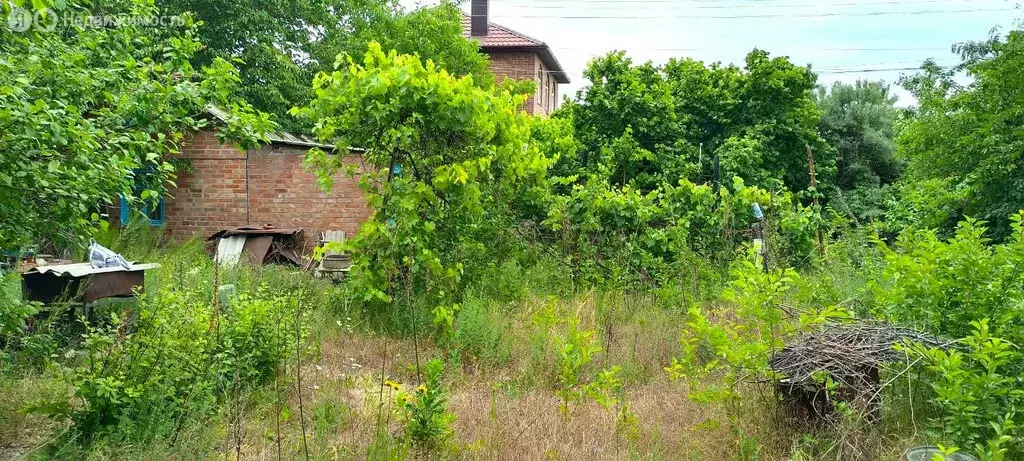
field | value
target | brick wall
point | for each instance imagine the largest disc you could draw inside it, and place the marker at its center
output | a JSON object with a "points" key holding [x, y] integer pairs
{"points": [[521, 65], [284, 194], [226, 188], [211, 195]]}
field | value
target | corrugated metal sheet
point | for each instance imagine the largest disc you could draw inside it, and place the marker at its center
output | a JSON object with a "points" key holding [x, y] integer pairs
{"points": [[82, 269], [276, 137]]}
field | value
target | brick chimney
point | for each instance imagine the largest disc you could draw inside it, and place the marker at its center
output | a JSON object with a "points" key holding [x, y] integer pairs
{"points": [[478, 18]]}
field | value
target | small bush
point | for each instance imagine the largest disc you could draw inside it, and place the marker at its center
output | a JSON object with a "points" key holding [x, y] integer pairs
{"points": [[479, 332], [13, 311], [171, 359], [428, 423], [942, 286], [976, 398]]}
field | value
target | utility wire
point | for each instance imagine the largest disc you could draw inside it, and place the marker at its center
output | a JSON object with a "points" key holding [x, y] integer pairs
{"points": [[821, 71], [763, 16], [571, 48], [618, 4]]}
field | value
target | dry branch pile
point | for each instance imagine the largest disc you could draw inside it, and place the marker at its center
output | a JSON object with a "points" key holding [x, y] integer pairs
{"points": [[850, 353]]}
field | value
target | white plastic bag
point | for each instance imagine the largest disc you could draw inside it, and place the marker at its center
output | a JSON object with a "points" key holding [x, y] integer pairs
{"points": [[101, 257]]}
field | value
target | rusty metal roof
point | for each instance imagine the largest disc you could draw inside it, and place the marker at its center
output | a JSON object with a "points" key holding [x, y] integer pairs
{"points": [[276, 137], [254, 230], [501, 38]]}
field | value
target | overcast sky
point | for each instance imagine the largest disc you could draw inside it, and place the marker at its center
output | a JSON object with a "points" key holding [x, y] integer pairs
{"points": [[842, 40]]}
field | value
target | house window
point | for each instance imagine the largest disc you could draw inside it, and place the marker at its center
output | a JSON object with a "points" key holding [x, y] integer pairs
{"points": [[547, 94], [543, 88], [554, 94], [152, 209]]}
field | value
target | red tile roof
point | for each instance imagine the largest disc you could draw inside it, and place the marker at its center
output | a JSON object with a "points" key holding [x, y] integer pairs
{"points": [[499, 36], [503, 38]]}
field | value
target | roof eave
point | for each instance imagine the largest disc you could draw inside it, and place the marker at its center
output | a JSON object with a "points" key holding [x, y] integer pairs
{"points": [[548, 58]]}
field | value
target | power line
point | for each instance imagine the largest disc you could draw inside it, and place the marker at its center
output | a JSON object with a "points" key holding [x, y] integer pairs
{"points": [[619, 4], [822, 71], [764, 16], [571, 48]]}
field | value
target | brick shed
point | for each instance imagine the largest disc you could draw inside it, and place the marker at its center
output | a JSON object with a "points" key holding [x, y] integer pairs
{"points": [[224, 187]]}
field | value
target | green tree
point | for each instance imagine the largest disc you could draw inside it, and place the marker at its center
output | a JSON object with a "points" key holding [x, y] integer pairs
{"points": [[440, 151], [967, 136], [84, 110], [626, 123], [858, 122], [433, 33], [648, 124], [269, 41], [279, 45]]}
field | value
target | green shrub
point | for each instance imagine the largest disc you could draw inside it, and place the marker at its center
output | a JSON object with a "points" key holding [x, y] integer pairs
{"points": [[576, 353], [727, 347], [621, 236], [428, 423], [146, 370], [976, 397], [479, 331], [13, 311], [942, 286]]}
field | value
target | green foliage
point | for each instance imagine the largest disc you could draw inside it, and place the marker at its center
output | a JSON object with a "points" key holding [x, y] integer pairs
{"points": [[625, 236], [82, 110], [858, 122], [976, 394], [923, 204], [431, 32], [727, 347], [576, 351], [279, 46], [943, 286], [632, 205], [428, 423], [260, 38], [645, 125], [13, 311], [440, 152], [968, 136], [479, 331], [173, 358]]}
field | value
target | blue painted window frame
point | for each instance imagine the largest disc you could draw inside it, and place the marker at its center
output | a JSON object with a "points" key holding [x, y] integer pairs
{"points": [[125, 208]]}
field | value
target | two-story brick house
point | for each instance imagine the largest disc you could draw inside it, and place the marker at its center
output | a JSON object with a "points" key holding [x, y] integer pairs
{"points": [[516, 55]]}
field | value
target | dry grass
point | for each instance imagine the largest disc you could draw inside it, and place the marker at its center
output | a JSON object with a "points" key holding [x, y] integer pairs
{"points": [[21, 431], [505, 409], [501, 414]]}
